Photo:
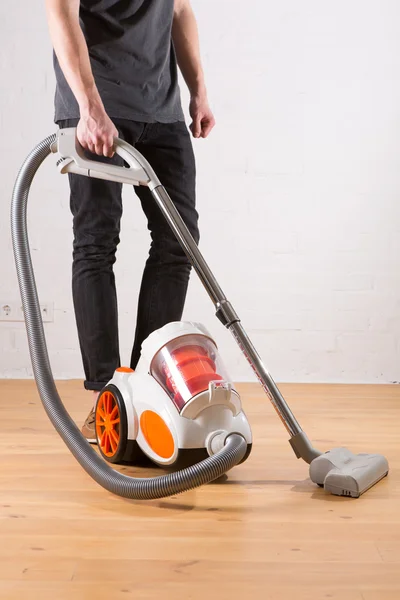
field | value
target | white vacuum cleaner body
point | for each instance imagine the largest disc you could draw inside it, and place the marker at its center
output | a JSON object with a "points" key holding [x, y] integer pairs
{"points": [[179, 405]]}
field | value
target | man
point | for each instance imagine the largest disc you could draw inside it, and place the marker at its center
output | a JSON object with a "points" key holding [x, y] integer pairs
{"points": [[116, 70]]}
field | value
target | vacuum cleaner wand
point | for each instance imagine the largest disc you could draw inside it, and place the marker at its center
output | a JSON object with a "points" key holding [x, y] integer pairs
{"points": [[340, 471]]}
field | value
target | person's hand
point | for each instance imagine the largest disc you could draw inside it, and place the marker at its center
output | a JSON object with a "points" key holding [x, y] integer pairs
{"points": [[96, 132], [203, 118]]}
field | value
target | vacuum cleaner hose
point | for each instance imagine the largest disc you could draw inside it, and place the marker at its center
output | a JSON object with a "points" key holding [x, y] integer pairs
{"points": [[135, 488]]}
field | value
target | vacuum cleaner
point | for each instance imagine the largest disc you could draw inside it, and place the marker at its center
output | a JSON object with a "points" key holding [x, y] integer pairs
{"points": [[179, 407]]}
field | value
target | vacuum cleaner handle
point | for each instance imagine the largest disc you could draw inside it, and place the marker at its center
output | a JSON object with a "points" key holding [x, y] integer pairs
{"points": [[73, 160], [140, 172]]}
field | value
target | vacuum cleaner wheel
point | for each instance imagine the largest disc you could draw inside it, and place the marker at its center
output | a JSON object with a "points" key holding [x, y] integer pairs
{"points": [[111, 425]]}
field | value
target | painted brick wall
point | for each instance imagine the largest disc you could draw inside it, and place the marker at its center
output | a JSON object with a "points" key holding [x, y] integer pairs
{"points": [[298, 188]]}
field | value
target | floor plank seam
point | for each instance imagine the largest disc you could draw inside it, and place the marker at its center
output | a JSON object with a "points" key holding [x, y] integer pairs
{"points": [[74, 572], [380, 553]]}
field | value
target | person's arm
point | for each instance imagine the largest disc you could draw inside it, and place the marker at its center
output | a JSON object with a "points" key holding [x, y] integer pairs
{"points": [[186, 41], [95, 130]]}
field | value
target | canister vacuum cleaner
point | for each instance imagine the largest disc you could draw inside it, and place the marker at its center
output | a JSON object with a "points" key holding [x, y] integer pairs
{"points": [[179, 407]]}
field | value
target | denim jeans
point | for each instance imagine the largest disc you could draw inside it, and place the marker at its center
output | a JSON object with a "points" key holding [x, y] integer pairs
{"points": [[96, 206]]}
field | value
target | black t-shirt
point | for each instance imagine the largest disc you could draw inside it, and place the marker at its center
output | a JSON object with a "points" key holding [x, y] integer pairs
{"points": [[133, 61]]}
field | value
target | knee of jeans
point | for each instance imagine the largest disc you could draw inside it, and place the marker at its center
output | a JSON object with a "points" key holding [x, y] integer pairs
{"points": [[99, 252], [165, 247], [195, 233], [176, 247], [193, 230]]}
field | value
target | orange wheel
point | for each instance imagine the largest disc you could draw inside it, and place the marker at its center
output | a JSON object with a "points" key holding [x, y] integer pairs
{"points": [[111, 424]]}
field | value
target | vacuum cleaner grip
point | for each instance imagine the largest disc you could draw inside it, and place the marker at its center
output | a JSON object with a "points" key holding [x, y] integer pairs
{"points": [[74, 160]]}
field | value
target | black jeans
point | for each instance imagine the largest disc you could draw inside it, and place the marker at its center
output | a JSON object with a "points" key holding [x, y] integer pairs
{"points": [[97, 209]]}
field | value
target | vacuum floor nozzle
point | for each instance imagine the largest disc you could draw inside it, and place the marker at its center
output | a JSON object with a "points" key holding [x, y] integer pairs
{"points": [[343, 473]]}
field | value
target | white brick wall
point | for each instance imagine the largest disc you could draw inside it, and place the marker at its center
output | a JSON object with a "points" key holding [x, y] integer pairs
{"points": [[298, 188]]}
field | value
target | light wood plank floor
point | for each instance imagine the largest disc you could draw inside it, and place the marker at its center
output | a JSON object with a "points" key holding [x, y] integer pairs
{"points": [[265, 532]]}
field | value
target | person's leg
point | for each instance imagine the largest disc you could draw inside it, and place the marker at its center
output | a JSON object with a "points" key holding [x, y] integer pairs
{"points": [[96, 207], [168, 149]]}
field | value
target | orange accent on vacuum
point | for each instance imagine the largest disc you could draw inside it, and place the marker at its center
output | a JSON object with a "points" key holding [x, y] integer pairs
{"points": [[157, 434]]}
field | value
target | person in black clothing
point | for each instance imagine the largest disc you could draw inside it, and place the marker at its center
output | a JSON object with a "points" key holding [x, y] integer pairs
{"points": [[116, 65]]}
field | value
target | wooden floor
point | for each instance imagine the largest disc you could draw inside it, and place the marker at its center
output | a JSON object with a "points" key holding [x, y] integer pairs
{"points": [[265, 533]]}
